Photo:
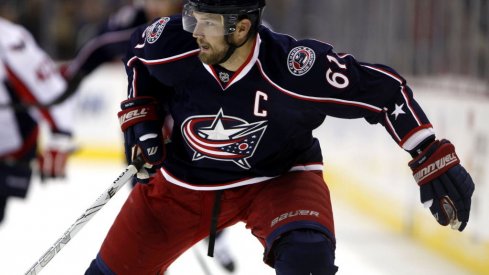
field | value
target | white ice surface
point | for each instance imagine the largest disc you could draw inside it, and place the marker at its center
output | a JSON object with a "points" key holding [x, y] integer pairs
{"points": [[34, 224]]}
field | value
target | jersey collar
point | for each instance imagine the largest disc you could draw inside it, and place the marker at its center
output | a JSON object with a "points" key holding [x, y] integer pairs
{"points": [[243, 70]]}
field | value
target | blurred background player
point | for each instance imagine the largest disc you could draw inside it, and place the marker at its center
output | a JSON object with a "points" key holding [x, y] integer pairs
{"points": [[29, 77], [111, 41], [109, 45]]}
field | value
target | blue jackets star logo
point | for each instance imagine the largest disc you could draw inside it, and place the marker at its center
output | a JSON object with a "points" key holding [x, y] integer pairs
{"points": [[223, 138], [398, 111]]}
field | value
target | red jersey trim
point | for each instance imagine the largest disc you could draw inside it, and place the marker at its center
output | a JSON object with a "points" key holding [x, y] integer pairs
{"points": [[369, 107], [163, 60], [242, 182], [414, 134], [27, 96]]}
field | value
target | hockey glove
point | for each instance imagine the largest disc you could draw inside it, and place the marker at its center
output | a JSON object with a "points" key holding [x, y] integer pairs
{"points": [[54, 157], [445, 186], [142, 134]]}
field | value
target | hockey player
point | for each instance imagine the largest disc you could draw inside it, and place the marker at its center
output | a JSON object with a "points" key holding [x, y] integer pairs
{"points": [[29, 76], [111, 44], [245, 101]]}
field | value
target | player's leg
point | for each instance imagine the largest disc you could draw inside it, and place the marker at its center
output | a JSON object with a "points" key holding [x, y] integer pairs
{"points": [[158, 222], [15, 179], [292, 217], [127, 235], [98, 267], [3, 206], [303, 250]]}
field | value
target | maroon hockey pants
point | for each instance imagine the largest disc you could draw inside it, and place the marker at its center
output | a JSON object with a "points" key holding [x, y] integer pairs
{"points": [[160, 220]]}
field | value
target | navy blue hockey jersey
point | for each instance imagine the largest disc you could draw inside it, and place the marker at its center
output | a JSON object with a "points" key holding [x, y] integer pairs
{"points": [[244, 127]]}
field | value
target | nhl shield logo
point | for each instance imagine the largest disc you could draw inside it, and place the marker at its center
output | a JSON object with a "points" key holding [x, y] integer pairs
{"points": [[154, 31], [300, 60], [224, 77], [223, 138]]}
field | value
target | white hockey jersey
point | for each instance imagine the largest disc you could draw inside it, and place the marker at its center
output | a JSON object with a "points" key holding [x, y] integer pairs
{"points": [[27, 75]]}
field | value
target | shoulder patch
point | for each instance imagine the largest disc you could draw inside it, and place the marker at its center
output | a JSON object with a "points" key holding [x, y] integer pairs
{"points": [[300, 60], [154, 31]]}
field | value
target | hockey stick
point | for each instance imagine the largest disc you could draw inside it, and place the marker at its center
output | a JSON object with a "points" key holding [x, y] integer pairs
{"points": [[123, 178], [70, 90], [201, 262], [24, 106]]}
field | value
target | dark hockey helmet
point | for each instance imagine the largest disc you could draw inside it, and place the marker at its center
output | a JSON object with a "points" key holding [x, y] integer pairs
{"points": [[223, 15]]}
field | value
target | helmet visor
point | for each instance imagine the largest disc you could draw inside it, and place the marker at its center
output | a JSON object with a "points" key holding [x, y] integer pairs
{"points": [[208, 24]]}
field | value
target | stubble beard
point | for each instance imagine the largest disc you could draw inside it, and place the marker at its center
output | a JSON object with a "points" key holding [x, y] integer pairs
{"points": [[214, 56]]}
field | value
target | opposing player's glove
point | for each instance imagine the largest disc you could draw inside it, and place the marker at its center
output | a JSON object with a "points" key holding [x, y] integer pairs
{"points": [[142, 129], [445, 186], [54, 157]]}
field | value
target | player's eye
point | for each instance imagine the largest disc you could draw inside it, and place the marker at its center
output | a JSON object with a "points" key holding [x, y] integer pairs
{"points": [[209, 24]]}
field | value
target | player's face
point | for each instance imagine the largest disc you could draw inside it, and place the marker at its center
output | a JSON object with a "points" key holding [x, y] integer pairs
{"points": [[209, 33]]}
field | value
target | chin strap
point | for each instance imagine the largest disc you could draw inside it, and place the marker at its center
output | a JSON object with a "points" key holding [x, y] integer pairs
{"points": [[232, 47], [229, 52]]}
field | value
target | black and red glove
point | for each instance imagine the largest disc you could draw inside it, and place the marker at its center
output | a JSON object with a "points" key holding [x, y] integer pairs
{"points": [[143, 135], [445, 186]]}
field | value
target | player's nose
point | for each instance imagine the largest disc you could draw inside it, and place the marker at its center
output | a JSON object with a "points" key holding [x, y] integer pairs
{"points": [[198, 31]]}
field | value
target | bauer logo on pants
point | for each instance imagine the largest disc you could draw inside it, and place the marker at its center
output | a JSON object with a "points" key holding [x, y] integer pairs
{"points": [[290, 214]]}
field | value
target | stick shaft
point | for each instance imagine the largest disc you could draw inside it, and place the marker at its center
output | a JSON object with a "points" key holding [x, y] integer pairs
{"points": [[201, 262], [123, 178]]}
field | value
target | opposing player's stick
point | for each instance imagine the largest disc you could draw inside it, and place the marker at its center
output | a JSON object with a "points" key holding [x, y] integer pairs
{"points": [[72, 87], [201, 262], [123, 178]]}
